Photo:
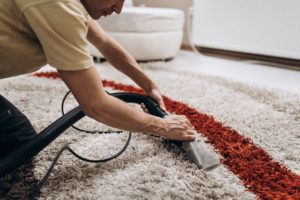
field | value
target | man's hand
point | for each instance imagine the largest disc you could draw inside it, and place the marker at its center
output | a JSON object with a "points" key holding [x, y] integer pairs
{"points": [[178, 128], [156, 95]]}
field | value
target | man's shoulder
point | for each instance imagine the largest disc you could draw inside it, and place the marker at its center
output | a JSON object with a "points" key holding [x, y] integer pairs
{"points": [[25, 4]]}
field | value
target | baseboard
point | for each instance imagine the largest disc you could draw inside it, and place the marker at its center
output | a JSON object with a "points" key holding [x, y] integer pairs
{"points": [[293, 64]]}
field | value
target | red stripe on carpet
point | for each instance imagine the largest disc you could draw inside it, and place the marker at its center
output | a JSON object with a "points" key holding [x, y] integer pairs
{"points": [[254, 166]]}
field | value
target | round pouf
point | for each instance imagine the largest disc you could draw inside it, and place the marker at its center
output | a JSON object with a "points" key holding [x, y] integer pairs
{"points": [[146, 33]]}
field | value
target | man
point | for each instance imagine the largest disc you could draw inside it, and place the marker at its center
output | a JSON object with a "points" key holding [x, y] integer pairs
{"points": [[36, 32]]}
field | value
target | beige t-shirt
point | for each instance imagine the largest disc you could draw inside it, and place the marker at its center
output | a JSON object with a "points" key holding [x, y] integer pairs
{"points": [[36, 32]]}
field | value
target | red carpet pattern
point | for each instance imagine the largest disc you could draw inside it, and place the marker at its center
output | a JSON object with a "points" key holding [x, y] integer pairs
{"points": [[253, 165]]}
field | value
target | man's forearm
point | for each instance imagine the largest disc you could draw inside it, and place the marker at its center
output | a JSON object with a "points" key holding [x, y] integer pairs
{"points": [[116, 113], [118, 56], [97, 104], [125, 63]]}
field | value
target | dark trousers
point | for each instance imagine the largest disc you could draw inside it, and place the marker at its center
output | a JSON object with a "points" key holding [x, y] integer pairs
{"points": [[15, 128]]}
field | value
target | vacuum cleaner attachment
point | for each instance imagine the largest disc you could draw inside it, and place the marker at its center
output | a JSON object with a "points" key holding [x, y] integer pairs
{"points": [[200, 155], [197, 153]]}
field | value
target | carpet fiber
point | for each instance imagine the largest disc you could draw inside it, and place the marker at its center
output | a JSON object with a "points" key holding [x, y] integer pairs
{"points": [[254, 131]]}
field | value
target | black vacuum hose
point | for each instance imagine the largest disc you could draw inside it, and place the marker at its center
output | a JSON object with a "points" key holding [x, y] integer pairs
{"points": [[39, 142], [151, 104]]}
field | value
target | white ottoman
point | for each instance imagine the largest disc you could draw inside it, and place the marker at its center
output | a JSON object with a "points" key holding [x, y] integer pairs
{"points": [[147, 33]]}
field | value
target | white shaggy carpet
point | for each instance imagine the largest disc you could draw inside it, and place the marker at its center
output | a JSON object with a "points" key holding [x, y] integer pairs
{"points": [[152, 168]]}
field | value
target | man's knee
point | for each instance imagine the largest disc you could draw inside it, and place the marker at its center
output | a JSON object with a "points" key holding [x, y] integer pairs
{"points": [[15, 128]]}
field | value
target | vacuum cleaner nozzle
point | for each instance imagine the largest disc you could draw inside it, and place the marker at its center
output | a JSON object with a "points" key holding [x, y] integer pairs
{"points": [[200, 155]]}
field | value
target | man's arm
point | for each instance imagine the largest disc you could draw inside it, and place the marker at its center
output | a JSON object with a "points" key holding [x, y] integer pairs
{"points": [[122, 60], [87, 88]]}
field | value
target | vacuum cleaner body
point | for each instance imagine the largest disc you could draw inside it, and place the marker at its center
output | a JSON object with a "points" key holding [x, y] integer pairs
{"points": [[197, 153]]}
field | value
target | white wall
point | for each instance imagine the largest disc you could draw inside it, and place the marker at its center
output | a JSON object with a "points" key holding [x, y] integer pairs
{"points": [[266, 27], [179, 4]]}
